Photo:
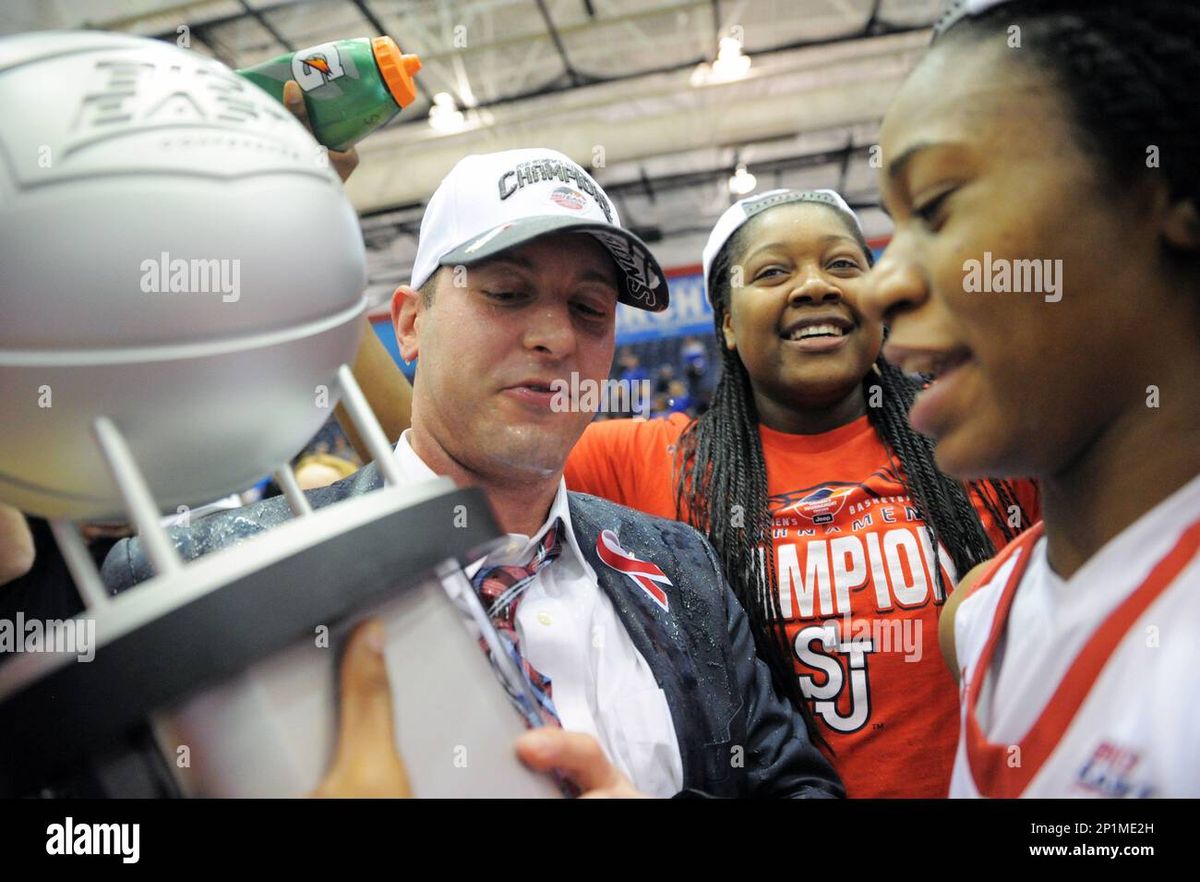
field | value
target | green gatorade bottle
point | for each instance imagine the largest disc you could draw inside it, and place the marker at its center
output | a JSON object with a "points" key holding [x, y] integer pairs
{"points": [[351, 87]]}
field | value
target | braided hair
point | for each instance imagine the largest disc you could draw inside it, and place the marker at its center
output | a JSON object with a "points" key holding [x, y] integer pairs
{"points": [[1128, 69], [721, 484]]}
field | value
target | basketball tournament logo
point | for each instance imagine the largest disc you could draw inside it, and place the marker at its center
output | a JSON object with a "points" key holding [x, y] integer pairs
{"points": [[568, 198], [820, 506]]}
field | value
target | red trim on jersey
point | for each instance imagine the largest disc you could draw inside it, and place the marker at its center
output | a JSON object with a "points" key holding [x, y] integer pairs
{"points": [[988, 572], [989, 762]]}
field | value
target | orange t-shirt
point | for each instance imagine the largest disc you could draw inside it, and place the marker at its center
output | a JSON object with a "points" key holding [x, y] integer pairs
{"points": [[856, 585]]}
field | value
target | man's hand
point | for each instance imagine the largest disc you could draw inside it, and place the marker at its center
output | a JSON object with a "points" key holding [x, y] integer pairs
{"points": [[365, 762], [579, 757], [293, 100]]}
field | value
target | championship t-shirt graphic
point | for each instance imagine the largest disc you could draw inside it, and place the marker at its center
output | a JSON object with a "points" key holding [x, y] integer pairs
{"points": [[855, 570]]}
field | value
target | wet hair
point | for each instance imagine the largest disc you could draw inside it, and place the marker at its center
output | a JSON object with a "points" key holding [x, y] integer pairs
{"points": [[719, 464], [429, 288], [1128, 69]]}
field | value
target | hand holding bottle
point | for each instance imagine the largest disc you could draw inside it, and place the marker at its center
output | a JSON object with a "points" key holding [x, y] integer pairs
{"points": [[343, 162]]}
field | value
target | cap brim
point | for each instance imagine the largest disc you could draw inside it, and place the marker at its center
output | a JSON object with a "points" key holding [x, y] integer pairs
{"points": [[642, 284]]}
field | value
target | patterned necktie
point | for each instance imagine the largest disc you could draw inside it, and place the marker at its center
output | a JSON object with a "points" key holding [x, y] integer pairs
{"points": [[500, 589]]}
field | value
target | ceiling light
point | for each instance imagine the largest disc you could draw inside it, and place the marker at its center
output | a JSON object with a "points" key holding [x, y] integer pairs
{"points": [[444, 115], [742, 182], [731, 64]]}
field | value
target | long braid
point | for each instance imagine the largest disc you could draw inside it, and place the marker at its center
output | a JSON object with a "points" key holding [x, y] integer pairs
{"points": [[944, 503], [721, 489]]}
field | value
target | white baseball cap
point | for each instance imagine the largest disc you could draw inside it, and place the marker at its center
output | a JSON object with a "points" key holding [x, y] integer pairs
{"points": [[492, 202], [741, 211]]}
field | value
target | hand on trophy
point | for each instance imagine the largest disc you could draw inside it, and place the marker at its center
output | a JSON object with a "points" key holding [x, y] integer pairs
{"points": [[365, 762]]}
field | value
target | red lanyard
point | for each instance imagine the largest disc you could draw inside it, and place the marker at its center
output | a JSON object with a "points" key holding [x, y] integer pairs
{"points": [[992, 766]]}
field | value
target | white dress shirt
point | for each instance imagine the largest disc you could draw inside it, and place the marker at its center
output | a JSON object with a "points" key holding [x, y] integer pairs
{"points": [[570, 632]]}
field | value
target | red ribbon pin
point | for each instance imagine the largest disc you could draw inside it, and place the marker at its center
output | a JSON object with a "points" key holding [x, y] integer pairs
{"points": [[643, 573]]}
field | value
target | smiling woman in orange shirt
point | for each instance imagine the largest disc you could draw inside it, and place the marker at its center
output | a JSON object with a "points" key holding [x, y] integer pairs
{"points": [[806, 450]]}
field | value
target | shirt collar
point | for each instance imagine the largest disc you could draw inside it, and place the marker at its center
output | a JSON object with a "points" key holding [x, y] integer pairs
{"points": [[519, 546]]}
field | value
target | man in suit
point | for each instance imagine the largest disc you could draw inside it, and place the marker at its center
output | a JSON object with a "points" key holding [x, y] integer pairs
{"points": [[629, 634]]}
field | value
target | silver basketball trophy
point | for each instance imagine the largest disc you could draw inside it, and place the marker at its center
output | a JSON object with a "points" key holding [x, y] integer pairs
{"points": [[181, 277]]}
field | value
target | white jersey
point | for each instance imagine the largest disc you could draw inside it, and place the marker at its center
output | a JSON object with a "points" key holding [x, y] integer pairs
{"points": [[1088, 686]]}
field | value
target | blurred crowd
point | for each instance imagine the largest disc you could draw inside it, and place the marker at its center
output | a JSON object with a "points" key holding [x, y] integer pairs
{"points": [[681, 373]]}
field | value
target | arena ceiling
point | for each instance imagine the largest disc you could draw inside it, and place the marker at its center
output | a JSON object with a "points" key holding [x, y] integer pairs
{"points": [[626, 88]]}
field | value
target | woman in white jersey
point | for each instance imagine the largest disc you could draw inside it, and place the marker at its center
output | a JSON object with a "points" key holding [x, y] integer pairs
{"points": [[1042, 166]]}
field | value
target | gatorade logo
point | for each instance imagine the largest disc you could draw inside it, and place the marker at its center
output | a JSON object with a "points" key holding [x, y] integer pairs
{"points": [[315, 67]]}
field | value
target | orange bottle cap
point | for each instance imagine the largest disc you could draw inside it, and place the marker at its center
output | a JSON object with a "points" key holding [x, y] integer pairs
{"points": [[397, 70]]}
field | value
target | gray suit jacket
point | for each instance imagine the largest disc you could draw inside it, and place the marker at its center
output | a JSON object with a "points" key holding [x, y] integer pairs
{"points": [[736, 736]]}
